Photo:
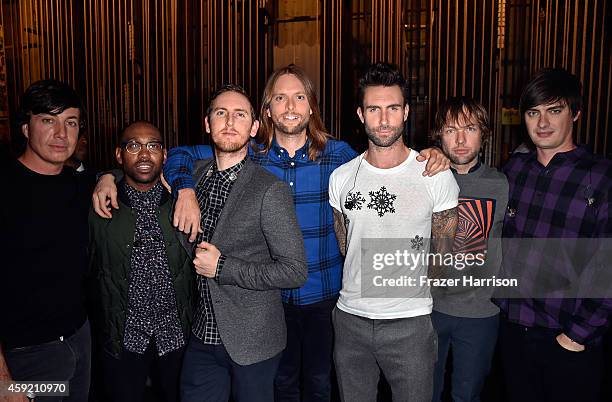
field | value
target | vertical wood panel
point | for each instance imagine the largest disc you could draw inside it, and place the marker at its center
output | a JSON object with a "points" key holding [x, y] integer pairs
{"points": [[160, 59]]}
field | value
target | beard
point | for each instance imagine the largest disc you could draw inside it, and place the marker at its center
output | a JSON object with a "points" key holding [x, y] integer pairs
{"points": [[290, 130], [229, 145], [462, 159], [396, 133]]}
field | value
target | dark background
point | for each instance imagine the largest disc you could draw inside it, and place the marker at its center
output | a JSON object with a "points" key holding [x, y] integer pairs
{"points": [[160, 59]]}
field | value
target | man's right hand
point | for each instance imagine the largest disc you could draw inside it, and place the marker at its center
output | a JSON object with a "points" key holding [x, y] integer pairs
{"points": [[105, 196], [187, 213]]}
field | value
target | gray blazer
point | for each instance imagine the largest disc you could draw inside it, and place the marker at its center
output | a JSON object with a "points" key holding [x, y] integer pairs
{"points": [[258, 232]]}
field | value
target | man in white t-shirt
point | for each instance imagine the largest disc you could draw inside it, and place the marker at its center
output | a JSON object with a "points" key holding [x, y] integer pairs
{"points": [[385, 212]]}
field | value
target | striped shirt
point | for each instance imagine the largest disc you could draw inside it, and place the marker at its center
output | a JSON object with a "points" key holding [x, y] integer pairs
{"points": [[308, 181]]}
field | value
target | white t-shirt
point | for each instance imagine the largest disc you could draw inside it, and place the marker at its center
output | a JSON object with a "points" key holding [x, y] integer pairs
{"points": [[394, 203]]}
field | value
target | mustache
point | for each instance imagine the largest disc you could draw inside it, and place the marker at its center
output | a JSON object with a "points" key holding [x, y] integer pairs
{"points": [[385, 127], [228, 131]]}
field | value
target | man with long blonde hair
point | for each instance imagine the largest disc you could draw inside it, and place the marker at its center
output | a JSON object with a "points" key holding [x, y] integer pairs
{"points": [[293, 144]]}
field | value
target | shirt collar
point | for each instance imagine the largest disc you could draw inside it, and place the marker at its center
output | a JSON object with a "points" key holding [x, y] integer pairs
{"points": [[561, 158], [131, 197], [230, 174], [472, 169], [282, 154]]}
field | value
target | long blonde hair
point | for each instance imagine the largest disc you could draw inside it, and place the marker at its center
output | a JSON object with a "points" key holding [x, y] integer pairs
{"points": [[316, 132]]}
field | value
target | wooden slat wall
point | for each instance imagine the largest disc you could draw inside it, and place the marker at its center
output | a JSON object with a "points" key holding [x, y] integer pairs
{"points": [[40, 42], [386, 31], [463, 56], [331, 98], [160, 59], [138, 59], [130, 69], [444, 48], [575, 35], [237, 51]]}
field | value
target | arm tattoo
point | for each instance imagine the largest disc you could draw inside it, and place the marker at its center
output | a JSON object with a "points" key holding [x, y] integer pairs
{"points": [[340, 230], [443, 227]]}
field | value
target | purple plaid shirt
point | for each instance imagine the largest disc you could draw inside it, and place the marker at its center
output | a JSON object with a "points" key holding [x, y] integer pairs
{"points": [[569, 198]]}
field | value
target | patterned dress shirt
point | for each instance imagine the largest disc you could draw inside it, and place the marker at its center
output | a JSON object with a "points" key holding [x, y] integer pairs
{"points": [[152, 311], [212, 192]]}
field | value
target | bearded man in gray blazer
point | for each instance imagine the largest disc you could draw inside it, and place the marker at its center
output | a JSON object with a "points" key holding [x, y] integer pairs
{"points": [[250, 246]]}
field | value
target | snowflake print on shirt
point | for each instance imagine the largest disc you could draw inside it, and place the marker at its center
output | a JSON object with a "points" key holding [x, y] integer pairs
{"points": [[355, 198], [417, 243], [382, 201]]}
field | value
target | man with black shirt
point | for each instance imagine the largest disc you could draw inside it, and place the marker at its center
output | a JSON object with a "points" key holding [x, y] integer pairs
{"points": [[44, 334], [154, 279]]}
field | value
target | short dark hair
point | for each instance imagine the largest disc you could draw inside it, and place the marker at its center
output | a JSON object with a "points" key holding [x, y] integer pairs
{"points": [[552, 85], [141, 122], [50, 97], [382, 74], [230, 88], [461, 107]]}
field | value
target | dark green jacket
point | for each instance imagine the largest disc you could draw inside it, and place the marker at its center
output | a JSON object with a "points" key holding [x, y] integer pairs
{"points": [[110, 254]]}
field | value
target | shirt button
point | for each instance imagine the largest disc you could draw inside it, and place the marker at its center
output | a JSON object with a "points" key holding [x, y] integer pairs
{"points": [[292, 163], [291, 183]]}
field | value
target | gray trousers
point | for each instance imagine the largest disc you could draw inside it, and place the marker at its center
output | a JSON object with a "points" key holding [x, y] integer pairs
{"points": [[405, 349]]}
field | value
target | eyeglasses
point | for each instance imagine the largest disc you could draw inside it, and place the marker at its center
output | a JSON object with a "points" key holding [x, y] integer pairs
{"points": [[133, 147]]}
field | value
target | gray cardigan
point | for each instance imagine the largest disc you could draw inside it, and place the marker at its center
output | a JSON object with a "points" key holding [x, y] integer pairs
{"points": [[258, 232]]}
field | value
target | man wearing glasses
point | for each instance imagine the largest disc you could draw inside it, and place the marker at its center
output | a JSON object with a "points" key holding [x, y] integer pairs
{"points": [[142, 284]]}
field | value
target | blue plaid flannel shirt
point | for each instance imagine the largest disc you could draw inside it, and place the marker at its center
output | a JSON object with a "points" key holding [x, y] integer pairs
{"points": [[308, 181]]}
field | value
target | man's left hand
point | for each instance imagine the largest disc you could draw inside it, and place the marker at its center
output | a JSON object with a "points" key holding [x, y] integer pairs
{"points": [[206, 259], [436, 161], [567, 343]]}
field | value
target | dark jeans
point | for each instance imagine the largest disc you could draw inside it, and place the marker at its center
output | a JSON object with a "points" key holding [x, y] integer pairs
{"points": [[537, 368], [210, 375], [125, 378], [66, 359], [472, 341], [309, 351]]}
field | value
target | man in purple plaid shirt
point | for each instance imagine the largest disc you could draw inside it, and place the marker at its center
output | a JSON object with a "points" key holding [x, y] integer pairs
{"points": [[551, 348]]}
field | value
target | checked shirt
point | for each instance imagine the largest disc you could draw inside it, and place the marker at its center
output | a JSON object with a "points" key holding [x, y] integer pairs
{"points": [[308, 181], [567, 199], [212, 192]]}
